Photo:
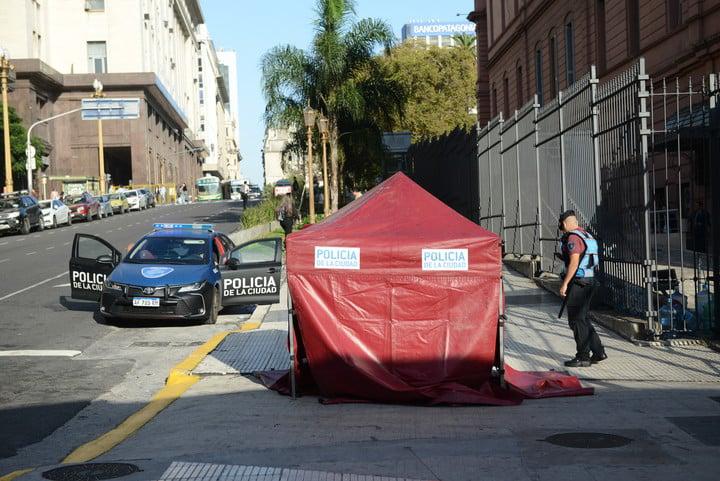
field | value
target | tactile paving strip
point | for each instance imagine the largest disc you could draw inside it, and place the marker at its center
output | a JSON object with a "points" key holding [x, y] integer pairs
{"points": [[182, 471], [247, 353]]}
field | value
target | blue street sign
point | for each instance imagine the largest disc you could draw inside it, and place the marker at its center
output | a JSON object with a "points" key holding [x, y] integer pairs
{"points": [[110, 109]]}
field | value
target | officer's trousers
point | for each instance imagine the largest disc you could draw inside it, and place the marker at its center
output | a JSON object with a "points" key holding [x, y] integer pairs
{"points": [[578, 305]]}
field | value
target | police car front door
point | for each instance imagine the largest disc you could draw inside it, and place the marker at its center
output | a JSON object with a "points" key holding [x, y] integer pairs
{"points": [[252, 273], [91, 262]]}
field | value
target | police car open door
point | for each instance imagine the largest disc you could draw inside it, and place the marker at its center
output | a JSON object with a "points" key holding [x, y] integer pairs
{"points": [[91, 262], [251, 274]]}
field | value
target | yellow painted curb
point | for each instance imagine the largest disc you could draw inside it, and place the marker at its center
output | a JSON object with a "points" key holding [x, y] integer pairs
{"points": [[15, 474], [179, 380]]}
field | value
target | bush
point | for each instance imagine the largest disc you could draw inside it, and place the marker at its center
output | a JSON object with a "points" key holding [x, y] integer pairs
{"points": [[262, 213]]}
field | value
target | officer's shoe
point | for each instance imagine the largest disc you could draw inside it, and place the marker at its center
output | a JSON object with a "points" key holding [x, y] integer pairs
{"points": [[575, 362], [596, 358]]}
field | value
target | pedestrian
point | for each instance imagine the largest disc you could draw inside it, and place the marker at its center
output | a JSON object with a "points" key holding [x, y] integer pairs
{"points": [[162, 192], [245, 193], [184, 193], [581, 255], [286, 214], [699, 224]]}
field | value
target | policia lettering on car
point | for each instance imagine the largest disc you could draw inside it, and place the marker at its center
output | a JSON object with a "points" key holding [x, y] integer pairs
{"points": [[178, 271]]}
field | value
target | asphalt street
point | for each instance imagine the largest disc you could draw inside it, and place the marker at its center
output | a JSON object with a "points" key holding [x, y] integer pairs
{"points": [[39, 393]]}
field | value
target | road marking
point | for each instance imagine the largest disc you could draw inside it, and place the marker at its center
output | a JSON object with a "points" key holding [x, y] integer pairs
{"points": [[3, 243], [8, 296], [49, 248], [19, 240], [15, 474], [66, 243], [63, 285], [31, 253], [40, 353], [3, 260]]}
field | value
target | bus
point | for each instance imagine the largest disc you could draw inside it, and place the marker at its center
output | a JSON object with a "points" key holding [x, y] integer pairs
{"points": [[208, 188], [232, 189]]}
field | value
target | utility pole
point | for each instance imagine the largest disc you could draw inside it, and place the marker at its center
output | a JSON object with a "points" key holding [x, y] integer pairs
{"points": [[5, 69], [98, 86], [309, 115]]}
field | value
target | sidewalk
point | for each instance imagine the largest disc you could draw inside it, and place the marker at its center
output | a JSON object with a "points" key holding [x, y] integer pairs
{"points": [[664, 402]]}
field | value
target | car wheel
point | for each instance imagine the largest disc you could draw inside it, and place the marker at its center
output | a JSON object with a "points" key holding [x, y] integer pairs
{"points": [[54, 224], [25, 226], [69, 222], [41, 224], [214, 308]]}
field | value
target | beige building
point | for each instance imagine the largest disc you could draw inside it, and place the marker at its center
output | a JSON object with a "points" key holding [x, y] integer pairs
{"points": [[146, 49], [280, 161]]}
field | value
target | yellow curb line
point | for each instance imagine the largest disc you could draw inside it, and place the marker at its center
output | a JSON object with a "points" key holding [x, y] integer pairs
{"points": [[15, 474], [179, 380]]}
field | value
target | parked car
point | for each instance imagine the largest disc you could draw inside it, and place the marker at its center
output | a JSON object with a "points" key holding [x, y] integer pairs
{"points": [[119, 203], [149, 196], [55, 212], [20, 212], [136, 199], [105, 206], [83, 207], [255, 193]]}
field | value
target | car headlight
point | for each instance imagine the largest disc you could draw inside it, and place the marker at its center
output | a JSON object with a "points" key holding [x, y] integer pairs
{"points": [[12, 215], [192, 287], [113, 285]]}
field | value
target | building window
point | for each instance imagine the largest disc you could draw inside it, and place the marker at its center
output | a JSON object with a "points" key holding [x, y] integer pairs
{"points": [[633, 27], [95, 5], [674, 14], [506, 97], [538, 75], [494, 111], [600, 27], [519, 86], [553, 68], [97, 57], [569, 53]]}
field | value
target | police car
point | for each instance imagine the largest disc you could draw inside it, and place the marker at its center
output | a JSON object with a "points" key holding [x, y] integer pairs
{"points": [[177, 271]]}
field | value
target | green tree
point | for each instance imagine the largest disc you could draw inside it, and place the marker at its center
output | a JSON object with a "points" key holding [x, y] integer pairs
{"points": [[333, 76], [439, 86], [18, 137], [466, 42]]}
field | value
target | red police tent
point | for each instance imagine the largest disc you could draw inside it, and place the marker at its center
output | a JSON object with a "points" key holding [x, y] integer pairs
{"points": [[396, 299]]}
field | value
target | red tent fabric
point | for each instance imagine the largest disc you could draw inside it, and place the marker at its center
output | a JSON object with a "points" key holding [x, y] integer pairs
{"points": [[396, 300]]}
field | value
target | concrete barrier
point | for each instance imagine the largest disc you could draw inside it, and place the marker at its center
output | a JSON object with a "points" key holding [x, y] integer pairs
{"points": [[245, 235]]}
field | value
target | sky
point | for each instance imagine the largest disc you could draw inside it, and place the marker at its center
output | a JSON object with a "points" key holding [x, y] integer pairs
{"points": [[252, 27]]}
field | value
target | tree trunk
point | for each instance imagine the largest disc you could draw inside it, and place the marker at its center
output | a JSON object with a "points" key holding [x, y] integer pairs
{"points": [[334, 170]]}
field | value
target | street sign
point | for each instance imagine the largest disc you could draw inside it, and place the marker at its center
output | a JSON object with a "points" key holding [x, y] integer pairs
{"points": [[30, 155], [110, 109]]}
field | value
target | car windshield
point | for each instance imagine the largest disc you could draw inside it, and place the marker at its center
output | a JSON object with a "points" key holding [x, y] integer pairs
{"points": [[76, 199], [130, 194], [169, 250], [9, 204], [115, 197], [44, 204]]}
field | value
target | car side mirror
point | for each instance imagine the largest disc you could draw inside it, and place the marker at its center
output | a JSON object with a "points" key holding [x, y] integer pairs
{"points": [[233, 263], [105, 259]]}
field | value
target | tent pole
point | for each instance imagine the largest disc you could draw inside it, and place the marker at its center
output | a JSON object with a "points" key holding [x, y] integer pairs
{"points": [[501, 334], [291, 335]]}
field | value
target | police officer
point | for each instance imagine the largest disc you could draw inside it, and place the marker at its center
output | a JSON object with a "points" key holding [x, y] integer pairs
{"points": [[581, 256]]}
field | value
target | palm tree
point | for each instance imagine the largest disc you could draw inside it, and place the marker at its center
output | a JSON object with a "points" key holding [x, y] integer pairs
{"points": [[465, 42], [332, 76]]}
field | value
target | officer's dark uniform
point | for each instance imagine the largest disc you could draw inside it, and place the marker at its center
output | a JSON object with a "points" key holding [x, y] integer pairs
{"points": [[579, 296]]}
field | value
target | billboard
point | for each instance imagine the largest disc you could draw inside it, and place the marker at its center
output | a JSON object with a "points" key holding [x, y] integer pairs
{"points": [[446, 29]]}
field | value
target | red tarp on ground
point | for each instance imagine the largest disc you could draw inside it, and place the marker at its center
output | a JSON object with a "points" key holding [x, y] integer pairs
{"points": [[375, 324]]}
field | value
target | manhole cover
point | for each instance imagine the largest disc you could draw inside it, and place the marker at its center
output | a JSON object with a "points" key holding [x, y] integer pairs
{"points": [[90, 472], [588, 440]]}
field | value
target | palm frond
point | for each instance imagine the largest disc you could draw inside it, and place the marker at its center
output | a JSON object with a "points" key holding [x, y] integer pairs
{"points": [[364, 37]]}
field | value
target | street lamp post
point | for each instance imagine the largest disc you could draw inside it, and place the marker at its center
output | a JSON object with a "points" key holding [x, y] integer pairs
{"points": [[5, 68], [309, 114], [322, 123], [98, 86]]}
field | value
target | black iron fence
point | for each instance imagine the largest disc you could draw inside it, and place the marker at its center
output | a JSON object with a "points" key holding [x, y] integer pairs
{"points": [[633, 158]]}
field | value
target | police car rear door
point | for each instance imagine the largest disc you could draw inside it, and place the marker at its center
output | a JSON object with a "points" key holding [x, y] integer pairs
{"points": [[92, 260], [251, 274]]}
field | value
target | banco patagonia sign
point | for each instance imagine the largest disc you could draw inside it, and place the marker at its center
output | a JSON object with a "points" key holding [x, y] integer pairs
{"points": [[88, 281], [249, 286], [444, 259], [337, 257], [443, 29]]}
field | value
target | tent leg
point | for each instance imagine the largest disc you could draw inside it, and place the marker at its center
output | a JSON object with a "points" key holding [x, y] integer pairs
{"points": [[501, 335], [291, 343]]}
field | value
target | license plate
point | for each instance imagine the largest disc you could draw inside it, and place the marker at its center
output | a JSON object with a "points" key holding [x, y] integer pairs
{"points": [[146, 302]]}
